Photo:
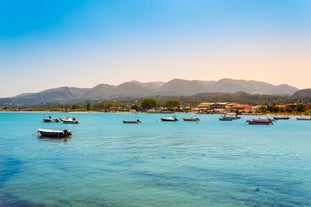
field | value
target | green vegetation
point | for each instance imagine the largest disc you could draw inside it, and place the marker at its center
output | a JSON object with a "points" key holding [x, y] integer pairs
{"points": [[148, 103], [267, 103]]}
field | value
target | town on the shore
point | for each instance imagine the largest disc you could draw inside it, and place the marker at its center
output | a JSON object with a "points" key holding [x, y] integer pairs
{"points": [[151, 105]]}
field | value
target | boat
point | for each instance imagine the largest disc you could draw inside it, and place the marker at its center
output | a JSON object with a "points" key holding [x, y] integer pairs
{"points": [[281, 117], [195, 119], [260, 121], [304, 118], [229, 117], [64, 118], [171, 118], [50, 120], [55, 133], [226, 118], [71, 121], [132, 121]]}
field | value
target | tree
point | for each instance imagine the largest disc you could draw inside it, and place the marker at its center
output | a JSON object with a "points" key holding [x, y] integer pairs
{"points": [[75, 106], [135, 107], [148, 103], [172, 103], [99, 106], [88, 106], [263, 109], [301, 108]]}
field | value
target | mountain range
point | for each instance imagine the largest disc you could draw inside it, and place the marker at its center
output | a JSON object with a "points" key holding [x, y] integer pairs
{"points": [[175, 87]]}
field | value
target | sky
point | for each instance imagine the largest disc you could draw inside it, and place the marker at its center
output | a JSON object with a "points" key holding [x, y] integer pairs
{"points": [[81, 43]]}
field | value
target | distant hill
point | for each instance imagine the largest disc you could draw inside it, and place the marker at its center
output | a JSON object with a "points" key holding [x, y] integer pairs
{"points": [[303, 93], [175, 87]]}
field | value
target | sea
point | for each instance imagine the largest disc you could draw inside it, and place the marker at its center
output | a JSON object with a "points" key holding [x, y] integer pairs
{"points": [[153, 164]]}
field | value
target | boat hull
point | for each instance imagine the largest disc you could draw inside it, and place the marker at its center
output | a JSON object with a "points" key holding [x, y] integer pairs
{"points": [[226, 119], [259, 122], [55, 133], [303, 118], [169, 119], [70, 121], [281, 117], [132, 121], [191, 119], [50, 120]]}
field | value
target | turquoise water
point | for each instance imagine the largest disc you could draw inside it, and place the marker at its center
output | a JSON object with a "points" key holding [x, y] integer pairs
{"points": [[108, 163]]}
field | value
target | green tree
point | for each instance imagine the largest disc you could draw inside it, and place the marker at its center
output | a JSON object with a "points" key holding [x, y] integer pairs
{"points": [[301, 108], [88, 106], [263, 109], [172, 103], [288, 110], [135, 107], [75, 106], [148, 103], [99, 106]]}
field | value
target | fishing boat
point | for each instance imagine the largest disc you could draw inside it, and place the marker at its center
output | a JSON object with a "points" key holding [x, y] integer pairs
{"points": [[132, 121], [171, 119], [55, 133], [195, 119], [260, 121]]}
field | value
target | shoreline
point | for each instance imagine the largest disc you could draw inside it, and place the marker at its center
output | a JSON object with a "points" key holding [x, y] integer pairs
{"points": [[120, 112]]}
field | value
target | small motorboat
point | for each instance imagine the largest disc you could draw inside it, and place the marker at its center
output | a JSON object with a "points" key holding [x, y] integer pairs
{"points": [[171, 118], [55, 133], [132, 121], [71, 121], [281, 117], [304, 118], [226, 118], [229, 117], [195, 119], [50, 120], [260, 121]]}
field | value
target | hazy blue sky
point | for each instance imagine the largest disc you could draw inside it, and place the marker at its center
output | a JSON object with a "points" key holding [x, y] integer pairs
{"points": [[81, 43]]}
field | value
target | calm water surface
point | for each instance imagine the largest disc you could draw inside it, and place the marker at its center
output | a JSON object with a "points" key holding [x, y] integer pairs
{"points": [[108, 163]]}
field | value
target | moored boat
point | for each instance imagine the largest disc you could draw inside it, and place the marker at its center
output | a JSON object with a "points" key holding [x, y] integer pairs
{"points": [[50, 120], [226, 118], [54, 133], [132, 121], [195, 119], [281, 117], [304, 118], [229, 117], [260, 121], [71, 121], [171, 118]]}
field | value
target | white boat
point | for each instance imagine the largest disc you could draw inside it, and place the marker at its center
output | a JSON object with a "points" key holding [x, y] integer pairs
{"points": [[304, 118], [54, 133], [171, 118], [229, 117], [50, 120], [71, 121]]}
